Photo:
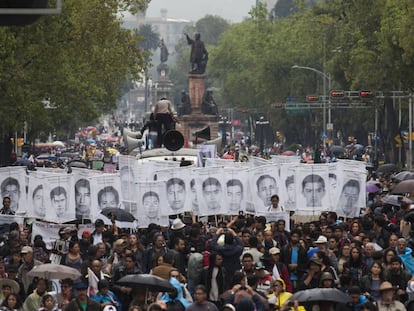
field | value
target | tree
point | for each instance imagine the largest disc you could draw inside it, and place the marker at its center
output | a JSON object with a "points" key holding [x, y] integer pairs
{"points": [[80, 59]]}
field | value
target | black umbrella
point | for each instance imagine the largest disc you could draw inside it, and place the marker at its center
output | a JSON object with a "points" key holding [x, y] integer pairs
{"points": [[409, 217], [320, 294], [387, 168], [405, 186], [405, 175], [148, 281], [337, 149], [120, 214]]}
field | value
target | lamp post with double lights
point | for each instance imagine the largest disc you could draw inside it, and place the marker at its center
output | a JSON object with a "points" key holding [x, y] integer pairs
{"points": [[326, 78]]}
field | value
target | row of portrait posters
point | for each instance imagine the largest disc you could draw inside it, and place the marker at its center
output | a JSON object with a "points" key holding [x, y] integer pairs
{"points": [[156, 190]]}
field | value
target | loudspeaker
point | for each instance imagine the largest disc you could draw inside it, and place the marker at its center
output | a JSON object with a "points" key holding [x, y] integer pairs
{"points": [[132, 143], [204, 134], [173, 140], [128, 133], [217, 141]]}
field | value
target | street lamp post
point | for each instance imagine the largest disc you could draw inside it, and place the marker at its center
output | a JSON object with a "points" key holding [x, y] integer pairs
{"points": [[326, 77]]}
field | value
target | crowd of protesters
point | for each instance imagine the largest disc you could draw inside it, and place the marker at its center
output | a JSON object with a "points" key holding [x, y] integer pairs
{"points": [[234, 263]]}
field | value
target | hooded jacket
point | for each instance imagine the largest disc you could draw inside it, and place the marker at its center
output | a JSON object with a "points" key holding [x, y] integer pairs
{"points": [[167, 298], [283, 296]]}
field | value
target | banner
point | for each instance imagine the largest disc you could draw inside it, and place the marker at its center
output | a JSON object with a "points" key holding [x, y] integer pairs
{"points": [[13, 185]]}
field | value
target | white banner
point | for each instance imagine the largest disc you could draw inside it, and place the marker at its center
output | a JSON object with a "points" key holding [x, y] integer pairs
{"points": [[13, 185]]}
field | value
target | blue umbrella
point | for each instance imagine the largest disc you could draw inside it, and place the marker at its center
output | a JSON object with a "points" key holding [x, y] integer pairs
{"points": [[91, 141], [371, 188]]}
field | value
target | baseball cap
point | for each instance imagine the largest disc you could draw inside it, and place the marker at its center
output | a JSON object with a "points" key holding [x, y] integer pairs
{"points": [[274, 251], [26, 249]]}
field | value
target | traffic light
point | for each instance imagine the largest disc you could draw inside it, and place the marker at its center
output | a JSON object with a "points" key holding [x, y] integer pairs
{"points": [[337, 95], [312, 98], [367, 95]]}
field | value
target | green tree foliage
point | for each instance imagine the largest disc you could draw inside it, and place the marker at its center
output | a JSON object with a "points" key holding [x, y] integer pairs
{"points": [[80, 59]]}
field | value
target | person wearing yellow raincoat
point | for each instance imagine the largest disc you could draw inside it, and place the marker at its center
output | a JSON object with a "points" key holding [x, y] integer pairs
{"points": [[279, 298]]}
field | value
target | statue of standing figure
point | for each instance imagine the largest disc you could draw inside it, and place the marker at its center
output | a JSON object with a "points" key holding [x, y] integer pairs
{"points": [[163, 51], [199, 54]]}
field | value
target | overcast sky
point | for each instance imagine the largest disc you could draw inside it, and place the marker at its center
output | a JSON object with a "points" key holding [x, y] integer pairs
{"points": [[231, 10]]}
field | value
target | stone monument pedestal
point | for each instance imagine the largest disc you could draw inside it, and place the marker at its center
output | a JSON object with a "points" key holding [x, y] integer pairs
{"points": [[189, 124]]}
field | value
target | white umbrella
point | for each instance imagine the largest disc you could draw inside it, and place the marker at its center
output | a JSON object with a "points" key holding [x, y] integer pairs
{"points": [[58, 143], [51, 271]]}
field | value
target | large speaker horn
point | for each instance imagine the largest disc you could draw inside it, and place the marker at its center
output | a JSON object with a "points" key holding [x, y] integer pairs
{"points": [[217, 141], [204, 133], [173, 140], [132, 143], [128, 133]]}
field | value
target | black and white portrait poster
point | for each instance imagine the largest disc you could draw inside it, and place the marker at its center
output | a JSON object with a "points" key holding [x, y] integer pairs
{"points": [[288, 185], [274, 217], [81, 191], [37, 197], [210, 189], [264, 182], [311, 189], [205, 152], [105, 190], [257, 161], [177, 190], [335, 180], [13, 185], [235, 189], [151, 196], [351, 194], [128, 174], [58, 198]]}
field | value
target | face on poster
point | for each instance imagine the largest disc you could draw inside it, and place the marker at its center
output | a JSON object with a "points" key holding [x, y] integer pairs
{"points": [[235, 190], [205, 152], [210, 192], [36, 197], [83, 198], [313, 188], [58, 199], [352, 195], [105, 191], [264, 183], [287, 176], [177, 190], [12, 185], [151, 197]]}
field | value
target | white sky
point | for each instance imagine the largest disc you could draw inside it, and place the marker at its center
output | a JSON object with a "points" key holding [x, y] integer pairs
{"points": [[231, 10]]}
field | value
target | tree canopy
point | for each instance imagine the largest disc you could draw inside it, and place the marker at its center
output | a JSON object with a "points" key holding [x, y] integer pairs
{"points": [[79, 59]]}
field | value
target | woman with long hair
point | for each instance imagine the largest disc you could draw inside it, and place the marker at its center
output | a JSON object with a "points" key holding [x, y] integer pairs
{"points": [[136, 247], [344, 254], [389, 253], [73, 258], [354, 229], [214, 278], [12, 302], [370, 283], [355, 266]]}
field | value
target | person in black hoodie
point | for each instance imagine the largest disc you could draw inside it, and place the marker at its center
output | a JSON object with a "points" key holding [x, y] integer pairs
{"points": [[229, 246], [214, 278]]}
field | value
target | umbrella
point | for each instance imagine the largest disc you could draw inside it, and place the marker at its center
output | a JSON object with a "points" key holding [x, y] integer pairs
{"points": [[387, 168], [78, 164], [91, 141], [58, 143], [288, 153], [149, 281], [337, 149], [409, 217], [405, 186], [405, 175], [53, 271], [320, 294], [395, 200], [112, 150], [120, 214], [24, 162], [371, 188]]}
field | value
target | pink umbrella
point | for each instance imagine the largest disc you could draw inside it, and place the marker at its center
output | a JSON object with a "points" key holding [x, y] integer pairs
{"points": [[289, 153]]}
